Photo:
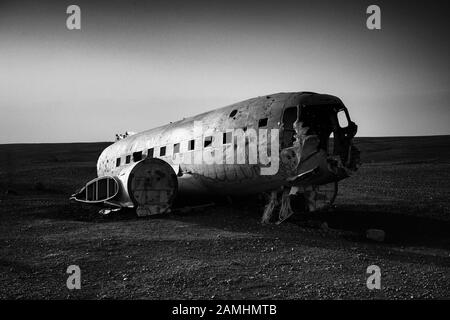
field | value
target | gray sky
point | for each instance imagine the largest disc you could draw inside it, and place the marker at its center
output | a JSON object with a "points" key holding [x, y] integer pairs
{"points": [[139, 64]]}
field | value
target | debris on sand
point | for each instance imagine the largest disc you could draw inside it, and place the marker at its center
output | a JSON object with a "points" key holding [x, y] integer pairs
{"points": [[375, 235]]}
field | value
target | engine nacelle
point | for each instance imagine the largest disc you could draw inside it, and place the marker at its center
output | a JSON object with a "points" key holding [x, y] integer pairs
{"points": [[149, 185]]}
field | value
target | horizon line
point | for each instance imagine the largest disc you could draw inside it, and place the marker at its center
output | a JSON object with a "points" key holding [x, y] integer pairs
{"points": [[86, 142]]}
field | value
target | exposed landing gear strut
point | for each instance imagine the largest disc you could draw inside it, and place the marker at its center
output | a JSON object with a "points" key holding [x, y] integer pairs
{"points": [[290, 200]]}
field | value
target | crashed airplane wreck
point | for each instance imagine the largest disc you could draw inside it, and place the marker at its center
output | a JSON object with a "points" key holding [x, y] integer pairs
{"points": [[292, 147]]}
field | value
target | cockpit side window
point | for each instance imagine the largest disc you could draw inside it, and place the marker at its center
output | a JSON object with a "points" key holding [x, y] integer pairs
{"points": [[342, 119]]}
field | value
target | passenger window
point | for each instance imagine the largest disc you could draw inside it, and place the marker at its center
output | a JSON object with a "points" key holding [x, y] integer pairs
{"points": [[262, 123], [191, 145], [227, 137], [150, 153], [127, 159], [162, 151], [176, 148], [208, 141], [137, 156], [117, 162], [342, 119]]}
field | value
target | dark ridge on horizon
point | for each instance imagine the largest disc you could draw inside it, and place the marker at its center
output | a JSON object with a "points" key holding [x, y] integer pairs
{"points": [[110, 142]]}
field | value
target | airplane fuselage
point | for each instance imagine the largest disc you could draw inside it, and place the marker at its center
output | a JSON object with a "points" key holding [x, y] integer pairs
{"points": [[252, 146]]}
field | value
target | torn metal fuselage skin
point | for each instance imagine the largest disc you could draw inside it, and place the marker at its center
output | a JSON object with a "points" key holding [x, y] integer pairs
{"points": [[322, 151], [306, 155]]}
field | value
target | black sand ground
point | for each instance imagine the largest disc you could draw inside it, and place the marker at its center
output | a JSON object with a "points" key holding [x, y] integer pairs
{"points": [[223, 252]]}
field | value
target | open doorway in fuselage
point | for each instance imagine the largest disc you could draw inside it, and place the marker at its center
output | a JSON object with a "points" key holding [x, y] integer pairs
{"points": [[290, 115]]}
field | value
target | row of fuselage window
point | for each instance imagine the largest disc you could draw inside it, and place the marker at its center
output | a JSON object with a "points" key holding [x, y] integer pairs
{"points": [[207, 142], [138, 156]]}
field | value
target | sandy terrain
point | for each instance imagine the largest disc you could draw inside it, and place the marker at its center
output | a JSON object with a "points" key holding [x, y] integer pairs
{"points": [[223, 252]]}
